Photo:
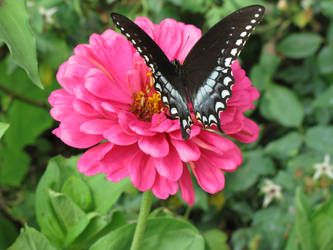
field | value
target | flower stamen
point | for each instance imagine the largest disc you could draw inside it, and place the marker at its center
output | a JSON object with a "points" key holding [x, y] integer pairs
{"points": [[147, 102]]}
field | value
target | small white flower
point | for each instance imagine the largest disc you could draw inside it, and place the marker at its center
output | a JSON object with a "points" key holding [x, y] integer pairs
{"points": [[323, 168], [47, 14], [272, 191]]}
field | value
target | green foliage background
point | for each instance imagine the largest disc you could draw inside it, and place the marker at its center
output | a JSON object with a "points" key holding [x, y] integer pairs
{"points": [[289, 59]]}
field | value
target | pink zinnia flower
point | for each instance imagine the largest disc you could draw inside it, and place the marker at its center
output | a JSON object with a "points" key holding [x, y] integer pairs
{"points": [[108, 104]]}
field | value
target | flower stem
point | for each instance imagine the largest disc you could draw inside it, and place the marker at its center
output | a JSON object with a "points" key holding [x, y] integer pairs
{"points": [[142, 221]]}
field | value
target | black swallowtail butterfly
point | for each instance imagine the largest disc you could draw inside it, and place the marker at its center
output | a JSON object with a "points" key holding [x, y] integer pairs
{"points": [[205, 78]]}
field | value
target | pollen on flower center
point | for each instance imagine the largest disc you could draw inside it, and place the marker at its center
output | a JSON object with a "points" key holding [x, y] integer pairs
{"points": [[147, 102]]}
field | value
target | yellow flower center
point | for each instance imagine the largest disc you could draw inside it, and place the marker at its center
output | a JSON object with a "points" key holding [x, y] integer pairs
{"points": [[147, 102]]}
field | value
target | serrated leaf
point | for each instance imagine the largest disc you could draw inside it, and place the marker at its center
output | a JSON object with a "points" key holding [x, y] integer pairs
{"points": [[17, 34], [160, 234], [31, 239], [300, 45], [320, 139], [285, 106]]}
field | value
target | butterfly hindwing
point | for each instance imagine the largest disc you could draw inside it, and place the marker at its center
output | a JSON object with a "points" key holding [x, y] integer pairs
{"points": [[207, 67], [165, 73]]}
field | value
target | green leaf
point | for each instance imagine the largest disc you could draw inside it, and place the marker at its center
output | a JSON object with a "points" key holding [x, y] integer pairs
{"points": [[299, 45], [17, 34], [325, 99], [303, 226], [66, 211], [320, 139], [240, 238], [216, 239], [326, 7], [105, 193], [270, 224], [26, 123], [323, 225], [8, 232], [31, 239], [97, 228], [46, 216], [285, 106], [160, 234], [3, 127], [325, 63], [284, 147], [246, 175], [78, 191]]}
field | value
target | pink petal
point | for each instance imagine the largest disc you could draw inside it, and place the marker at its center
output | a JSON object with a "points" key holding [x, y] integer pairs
{"points": [[100, 85], [84, 108], [187, 150], [88, 162], [156, 146], [177, 135], [115, 163], [186, 187], [249, 132], [69, 132], [170, 166], [116, 135], [210, 178], [190, 36], [163, 187], [169, 38], [96, 126], [160, 123], [142, 171], [228, 161], [147, 25]]}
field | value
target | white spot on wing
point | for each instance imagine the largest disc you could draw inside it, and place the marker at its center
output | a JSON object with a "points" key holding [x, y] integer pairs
{"points": [[248, 27], [218, 106], [253, 21], [256, 15], [173, 111], [212, 118], [233, 52], [243, 34], [225, 93], [239, 42], [226, 80], [227, 61]]}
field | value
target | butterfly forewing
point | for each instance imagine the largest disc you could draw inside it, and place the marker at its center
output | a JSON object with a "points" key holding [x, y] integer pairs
{"points": [[165, 74], [207, 67]]}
